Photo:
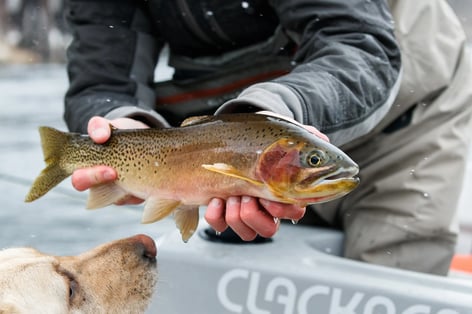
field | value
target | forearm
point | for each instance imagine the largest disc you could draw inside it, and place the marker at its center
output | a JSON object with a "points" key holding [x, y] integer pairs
{"points": [[111, 61], [347, 71]]}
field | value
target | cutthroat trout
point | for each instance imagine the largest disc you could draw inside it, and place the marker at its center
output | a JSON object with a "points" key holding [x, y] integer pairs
{"points": [[176, 170]]}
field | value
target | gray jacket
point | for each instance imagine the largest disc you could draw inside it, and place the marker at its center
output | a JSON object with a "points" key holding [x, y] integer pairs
{"points": [[345, 62]]}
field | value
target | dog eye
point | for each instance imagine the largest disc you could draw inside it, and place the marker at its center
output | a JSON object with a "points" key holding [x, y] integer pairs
{"points": [[73, 285]]}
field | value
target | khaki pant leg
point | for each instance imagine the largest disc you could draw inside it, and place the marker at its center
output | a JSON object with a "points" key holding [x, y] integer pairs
{"points": [[403, 214]]}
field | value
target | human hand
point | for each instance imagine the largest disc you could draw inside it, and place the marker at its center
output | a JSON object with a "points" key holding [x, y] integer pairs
{"points": [[249, 216], [99, 131], [310, 128]]}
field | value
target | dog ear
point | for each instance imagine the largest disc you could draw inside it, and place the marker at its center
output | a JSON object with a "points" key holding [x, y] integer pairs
{"points": [[8, 308]]}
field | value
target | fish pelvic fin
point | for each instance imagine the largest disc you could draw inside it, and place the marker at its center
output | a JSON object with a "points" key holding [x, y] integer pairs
{"points": [[229, 170], [186, 219], [105, 194], [157, 209], [52, 142]]}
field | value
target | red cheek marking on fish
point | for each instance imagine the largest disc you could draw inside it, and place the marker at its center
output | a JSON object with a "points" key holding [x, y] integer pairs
{"points": [[279, 164]]}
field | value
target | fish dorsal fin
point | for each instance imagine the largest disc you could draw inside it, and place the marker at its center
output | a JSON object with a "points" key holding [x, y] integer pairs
{"points": [[196, 120], [186, 219], [229, 170], [155, 209], [105, 194]]}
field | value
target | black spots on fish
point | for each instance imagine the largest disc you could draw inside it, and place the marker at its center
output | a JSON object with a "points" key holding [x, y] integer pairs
{"points": [[271, 131], [259, 134]]}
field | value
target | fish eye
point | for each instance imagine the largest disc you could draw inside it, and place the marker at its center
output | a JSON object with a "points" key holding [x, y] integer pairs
{"points": [[315, 158]]}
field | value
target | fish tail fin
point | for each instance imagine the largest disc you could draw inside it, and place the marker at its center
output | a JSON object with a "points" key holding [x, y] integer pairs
{"points": [[52, 142]]}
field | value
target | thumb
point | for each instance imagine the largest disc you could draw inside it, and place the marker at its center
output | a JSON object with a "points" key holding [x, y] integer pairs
{"points": [[99, 129]]}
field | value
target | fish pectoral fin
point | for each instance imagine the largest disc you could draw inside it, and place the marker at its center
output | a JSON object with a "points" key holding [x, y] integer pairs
{"points": [[229, 170], [105, 194], [186, 219], [280, 193], [155, 209]]}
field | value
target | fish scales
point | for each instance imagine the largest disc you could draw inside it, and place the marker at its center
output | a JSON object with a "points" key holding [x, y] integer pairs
{"points": [[178, 169]]}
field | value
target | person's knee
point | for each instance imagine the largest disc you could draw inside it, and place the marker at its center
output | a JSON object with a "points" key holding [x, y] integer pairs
{"points": [[431, 255]]}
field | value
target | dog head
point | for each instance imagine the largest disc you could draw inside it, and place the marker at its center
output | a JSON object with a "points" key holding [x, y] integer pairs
{"points": [[117, 277]]}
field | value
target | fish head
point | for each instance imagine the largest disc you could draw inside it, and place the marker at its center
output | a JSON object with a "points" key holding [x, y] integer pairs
{"points": [[305, 169]]}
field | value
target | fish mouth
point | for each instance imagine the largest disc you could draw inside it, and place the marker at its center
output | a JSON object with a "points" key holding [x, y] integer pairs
{"points": [[341, 174], [329, 187], [344, 173]]}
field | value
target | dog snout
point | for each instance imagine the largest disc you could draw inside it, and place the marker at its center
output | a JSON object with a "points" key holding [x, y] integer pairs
{"points": [[146, 247]]}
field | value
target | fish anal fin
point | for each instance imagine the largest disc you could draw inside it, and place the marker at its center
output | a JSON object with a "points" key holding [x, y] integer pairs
{"points": [[186, 219], [156, 209], [105, 194], [229, 170]]}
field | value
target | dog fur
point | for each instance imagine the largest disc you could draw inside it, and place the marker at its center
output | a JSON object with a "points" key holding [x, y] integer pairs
{"points": [[117, 277]]}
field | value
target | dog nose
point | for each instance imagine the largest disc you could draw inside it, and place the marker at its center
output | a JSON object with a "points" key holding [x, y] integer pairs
{"points": [[147, 244]]}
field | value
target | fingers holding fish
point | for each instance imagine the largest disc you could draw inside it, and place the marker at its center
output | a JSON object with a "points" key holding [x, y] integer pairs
{"points": [[237, 222], [84, 178], [99, 128], [257, 218], [317, 132], [215, 214], [310, 128], [282, 210], [250, 216], [99, 131], [264, 157]]}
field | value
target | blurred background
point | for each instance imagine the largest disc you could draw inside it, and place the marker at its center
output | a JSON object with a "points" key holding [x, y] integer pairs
{"points": [[34, 31], [33, 80]]}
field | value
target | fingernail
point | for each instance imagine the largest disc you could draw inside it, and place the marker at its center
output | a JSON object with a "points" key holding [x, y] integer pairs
{"points": [[246, 199], [99, 133], [264, 202], [215, 202], [232, 200], [108, 175]]}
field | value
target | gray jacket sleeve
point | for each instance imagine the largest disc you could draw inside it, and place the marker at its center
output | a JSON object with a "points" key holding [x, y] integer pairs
{"points": [[347, 67], [111, 62]]}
